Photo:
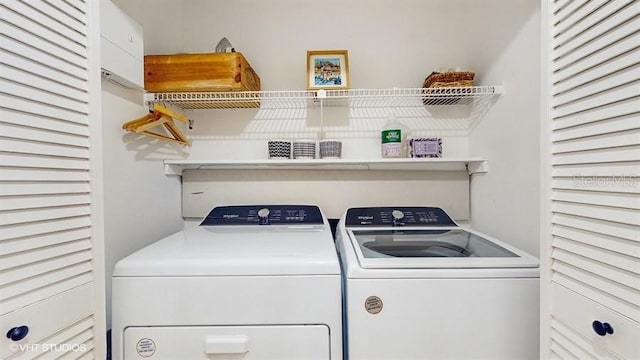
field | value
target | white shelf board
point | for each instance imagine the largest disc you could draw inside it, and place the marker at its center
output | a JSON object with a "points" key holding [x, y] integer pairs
{"points": [[472, 165]]}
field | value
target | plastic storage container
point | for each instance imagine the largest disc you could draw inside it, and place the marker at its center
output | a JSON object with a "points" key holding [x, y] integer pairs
{"points": [[393, 138]]}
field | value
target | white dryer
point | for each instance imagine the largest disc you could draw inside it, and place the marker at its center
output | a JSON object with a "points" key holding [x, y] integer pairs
{"points": [[251, 282], [418, 286]]}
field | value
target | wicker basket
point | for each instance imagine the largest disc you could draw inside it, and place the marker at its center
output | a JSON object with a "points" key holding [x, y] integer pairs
{"points": [[458, 79], [461, 83], [449, 79]]}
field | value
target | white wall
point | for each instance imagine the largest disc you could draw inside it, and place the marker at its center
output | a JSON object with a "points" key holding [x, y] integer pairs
{"points": [[391, 43], [141, 204], [505, 201]]}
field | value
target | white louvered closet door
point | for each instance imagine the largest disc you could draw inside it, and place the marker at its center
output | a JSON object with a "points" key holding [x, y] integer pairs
{"points": [[593, 179], [51, 266]]}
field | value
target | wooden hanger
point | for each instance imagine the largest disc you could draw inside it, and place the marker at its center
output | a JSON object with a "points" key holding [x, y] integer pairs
{"points": [[161, 115]]}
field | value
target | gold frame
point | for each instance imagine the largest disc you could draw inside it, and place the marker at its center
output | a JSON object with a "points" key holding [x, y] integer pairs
{"points": [[343, 66]]}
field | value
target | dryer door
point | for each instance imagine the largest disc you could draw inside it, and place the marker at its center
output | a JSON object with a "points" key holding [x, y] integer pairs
{"points": [[227, 342]]}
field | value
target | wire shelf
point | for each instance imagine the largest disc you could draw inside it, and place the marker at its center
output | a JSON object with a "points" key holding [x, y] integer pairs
{"points": [[397, 97]]}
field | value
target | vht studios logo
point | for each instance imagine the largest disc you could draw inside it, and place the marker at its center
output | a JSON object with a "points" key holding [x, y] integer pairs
{"points": [[47, 347]]}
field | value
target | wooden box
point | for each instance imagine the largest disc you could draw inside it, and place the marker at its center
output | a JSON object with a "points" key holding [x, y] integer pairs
{"points": [[199, 72]]}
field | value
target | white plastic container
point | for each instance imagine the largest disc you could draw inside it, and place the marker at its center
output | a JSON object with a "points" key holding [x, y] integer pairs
{"points": [[393, 138]]}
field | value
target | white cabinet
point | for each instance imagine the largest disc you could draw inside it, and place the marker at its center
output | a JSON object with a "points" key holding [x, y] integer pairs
{"points": [[121, 46], [68, 310], [590, 230], [589, 329], [51, 275]]}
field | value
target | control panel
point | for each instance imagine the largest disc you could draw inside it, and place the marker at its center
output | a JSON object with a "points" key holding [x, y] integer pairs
{"points": [[398, 216], [264, 215]]}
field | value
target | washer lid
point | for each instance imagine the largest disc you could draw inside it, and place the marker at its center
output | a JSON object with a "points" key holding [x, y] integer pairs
{"points": [[237, 250], [446, 247]]}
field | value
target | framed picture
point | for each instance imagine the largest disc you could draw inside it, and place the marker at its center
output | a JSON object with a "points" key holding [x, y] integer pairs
{"points": [[327, 69]]}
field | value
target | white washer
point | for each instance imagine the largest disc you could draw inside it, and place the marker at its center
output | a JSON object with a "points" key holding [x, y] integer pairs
{"points": [[251, 282], [417, 286]]}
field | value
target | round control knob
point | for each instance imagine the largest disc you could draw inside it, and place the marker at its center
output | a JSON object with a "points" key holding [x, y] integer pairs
{"points": [[18, 333], [397, 216], [601, 328], [263, 215]]}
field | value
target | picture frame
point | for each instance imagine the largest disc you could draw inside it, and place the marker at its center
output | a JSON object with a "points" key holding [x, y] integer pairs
{"points": [[328, 69]]}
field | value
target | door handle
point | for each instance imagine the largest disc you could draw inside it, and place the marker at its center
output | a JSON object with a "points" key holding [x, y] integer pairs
{"points": [[601, 328], [232, 344], [18, 333]]}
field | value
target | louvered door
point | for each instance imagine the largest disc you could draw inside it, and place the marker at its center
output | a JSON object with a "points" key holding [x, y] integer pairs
{"points": [[593, 178], [51, 277]]}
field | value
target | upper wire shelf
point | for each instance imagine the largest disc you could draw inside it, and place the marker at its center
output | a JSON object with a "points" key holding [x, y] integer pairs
{"points": [[293, 99]]}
